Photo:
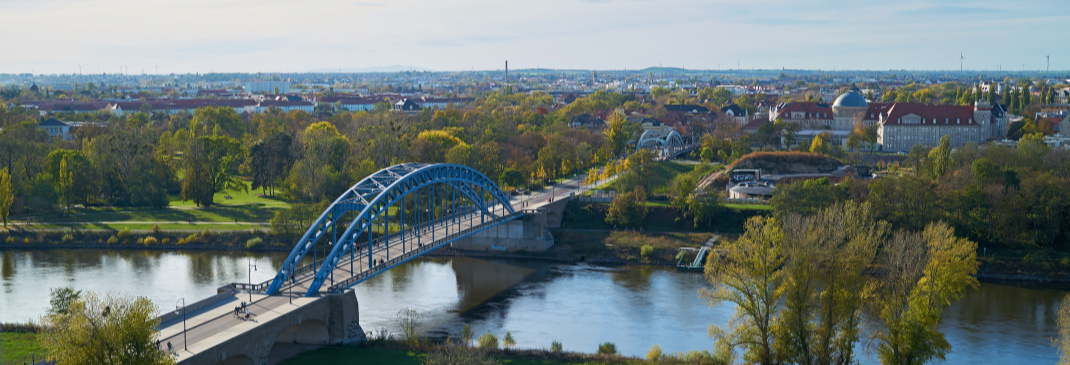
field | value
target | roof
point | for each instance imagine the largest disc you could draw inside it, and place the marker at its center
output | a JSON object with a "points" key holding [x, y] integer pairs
{"points": [[850, 99], [736, 110], [812, 110], [53, 122], [685, 108], [931, 114]]}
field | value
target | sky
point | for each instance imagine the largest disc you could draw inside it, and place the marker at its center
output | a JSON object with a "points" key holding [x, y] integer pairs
{"points": [[187, 36]]}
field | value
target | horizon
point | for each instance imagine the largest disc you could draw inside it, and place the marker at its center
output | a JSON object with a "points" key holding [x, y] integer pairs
{"points": [[202, 36]]}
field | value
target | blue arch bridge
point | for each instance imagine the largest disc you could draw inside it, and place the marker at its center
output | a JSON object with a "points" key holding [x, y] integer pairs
{"points": [[390, 217]]}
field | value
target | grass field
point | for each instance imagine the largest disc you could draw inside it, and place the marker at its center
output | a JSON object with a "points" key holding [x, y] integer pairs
{"points": [[373, 355], [243, 211], [17, 347]]}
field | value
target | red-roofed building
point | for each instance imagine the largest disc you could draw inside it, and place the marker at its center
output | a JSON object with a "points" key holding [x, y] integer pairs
{"points": [[909, 124]]}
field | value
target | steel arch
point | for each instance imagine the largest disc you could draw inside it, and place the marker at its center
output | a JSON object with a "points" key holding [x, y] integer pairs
{"points": [[373, 196], [659, 138]]}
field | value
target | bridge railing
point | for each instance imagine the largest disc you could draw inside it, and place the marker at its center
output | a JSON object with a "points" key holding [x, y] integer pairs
{"points": [[364, 275]]}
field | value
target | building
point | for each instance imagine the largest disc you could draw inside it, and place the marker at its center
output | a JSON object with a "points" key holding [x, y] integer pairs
{"points": [[406, 105], [910, 124], [736, 112], [56, 128], [267, 87], [900, 126]]}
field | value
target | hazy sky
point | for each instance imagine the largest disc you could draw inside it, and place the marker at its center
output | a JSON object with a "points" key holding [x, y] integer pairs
{"points": [[55, 36]]}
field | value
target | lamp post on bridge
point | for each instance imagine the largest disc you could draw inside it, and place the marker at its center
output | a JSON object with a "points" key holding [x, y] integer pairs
{"points": [[183, 307], [251, 268]]}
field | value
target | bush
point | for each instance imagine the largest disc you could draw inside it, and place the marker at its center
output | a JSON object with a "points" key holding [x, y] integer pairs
{"points": [[124, 233], [165, 241], [206, 233], [150, 240], [654, 354], [607, 348], [555, 347], [67, 238], [458, 355], [113, 240], [255, 242], [646, 251], [156, 229], [508, 341], [9, 239], [466, 335], [488, 341]]}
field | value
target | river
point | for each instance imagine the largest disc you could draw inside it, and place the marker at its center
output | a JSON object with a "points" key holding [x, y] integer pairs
{"points": [[579, 305]]}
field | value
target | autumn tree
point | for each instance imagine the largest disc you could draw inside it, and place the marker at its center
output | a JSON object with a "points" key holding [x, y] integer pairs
{"points": [[923, 274], [323, 156], [7, 196], [746, 273], [110, 329]]}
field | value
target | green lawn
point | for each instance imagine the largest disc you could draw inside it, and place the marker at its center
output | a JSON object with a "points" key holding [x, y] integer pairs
{"points": [[16, 347], [749, 206], [350, 355], [243, 211]]}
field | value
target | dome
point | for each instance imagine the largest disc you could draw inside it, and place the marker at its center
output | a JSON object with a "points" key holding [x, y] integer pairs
{"points": [[850, 99]]}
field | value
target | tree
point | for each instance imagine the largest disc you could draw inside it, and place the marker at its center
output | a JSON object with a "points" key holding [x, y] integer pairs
{"points": [[7, 196], [629, 209], [111, 329], [939, 158], [747, 274], [61, 300], [323, 156], [924, 273], [512, 177], [411, 323], [221, 120], [824, 282], [619, 130], [1063, 323], [269, 160], [820, 145], [210, 164]]}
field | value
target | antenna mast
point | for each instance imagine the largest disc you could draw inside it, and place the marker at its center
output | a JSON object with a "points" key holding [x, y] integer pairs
{"points": [[1048, 56], [961, 58]]}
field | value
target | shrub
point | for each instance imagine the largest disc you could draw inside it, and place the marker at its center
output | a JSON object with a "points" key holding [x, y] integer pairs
{"points": [[508, 340], [455, 354], [165, 241], [654, 354], [646, 251], [9, 239], [150, 240], [607, 348], [466, 335], [488, 341], [113, 240], [140, 241], [124, 233], [206, 233], [67, 238], [156, 229], [254, 243], [556, 347]]}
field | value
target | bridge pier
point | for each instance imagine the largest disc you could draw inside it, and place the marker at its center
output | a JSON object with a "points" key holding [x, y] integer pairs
{"points": [[326, 320], [528, 234]]}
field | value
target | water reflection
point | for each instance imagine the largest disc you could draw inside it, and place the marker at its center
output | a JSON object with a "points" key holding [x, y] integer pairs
{"points": [[579, 305]]}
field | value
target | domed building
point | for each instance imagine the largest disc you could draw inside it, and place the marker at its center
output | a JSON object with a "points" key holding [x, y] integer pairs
{"points": [[836, 120], [900, 125]]}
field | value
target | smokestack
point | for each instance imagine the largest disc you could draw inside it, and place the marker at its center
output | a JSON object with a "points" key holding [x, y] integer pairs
{"points": [[507, 72]]}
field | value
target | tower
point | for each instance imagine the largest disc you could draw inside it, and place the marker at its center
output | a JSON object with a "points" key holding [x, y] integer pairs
{"points": [[982, 113]]}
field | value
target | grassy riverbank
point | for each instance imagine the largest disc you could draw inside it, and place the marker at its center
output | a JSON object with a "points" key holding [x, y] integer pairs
{"points": [[20, 347], [393, 353]]}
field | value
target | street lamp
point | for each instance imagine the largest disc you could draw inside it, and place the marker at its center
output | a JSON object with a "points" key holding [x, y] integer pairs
{"points": [[252, 267], [183, 307]]}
